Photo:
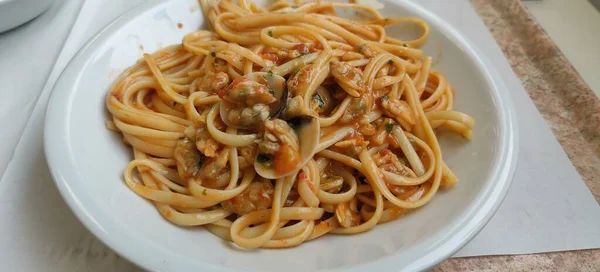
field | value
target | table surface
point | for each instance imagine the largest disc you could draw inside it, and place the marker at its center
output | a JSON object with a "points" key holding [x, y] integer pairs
{"points": [[566, 102], [569, 107], [573, 26]]}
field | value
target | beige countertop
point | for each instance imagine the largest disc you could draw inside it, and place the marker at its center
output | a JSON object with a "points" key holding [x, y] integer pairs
{"points": [[574, 26]]}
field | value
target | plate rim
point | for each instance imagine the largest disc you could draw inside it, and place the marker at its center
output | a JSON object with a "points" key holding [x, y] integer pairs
{"points": [[505, 169]]}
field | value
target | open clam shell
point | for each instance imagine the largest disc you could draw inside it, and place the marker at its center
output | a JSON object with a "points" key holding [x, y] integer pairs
{"points": [[277, 86], [307, 130]]}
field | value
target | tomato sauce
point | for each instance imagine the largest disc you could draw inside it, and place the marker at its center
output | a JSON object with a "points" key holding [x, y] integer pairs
{"points": [[286, 160], [303, 176], [224, 91], [316, 46], [305, 49], [273, 57], [302, 48]]}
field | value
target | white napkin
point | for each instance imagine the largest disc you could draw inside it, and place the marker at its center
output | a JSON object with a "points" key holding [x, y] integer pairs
{"points": [[548, 207], [27, 55]]}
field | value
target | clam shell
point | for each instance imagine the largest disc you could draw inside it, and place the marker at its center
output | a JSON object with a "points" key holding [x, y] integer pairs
{"points": [[275, 83], [307, 129]]}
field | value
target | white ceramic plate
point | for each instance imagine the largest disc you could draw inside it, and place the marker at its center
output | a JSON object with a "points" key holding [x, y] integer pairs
{"points": [[87, 161]]}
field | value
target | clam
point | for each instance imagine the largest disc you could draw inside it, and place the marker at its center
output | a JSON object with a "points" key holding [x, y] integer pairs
{"points": [[246, 102], [287, 146]]}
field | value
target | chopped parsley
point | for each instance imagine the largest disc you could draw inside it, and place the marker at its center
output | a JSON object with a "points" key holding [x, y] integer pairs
{"points": [[390, 62], [213, 54], [262, 158], [204, 192], [271, 33], [389, 127], [405, 45], [295, 71], [320, 100], [384, 98], [270, 72]]}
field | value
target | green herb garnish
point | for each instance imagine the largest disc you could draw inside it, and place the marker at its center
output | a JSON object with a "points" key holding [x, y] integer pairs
{"points": [[296, 70], [384, 98], [390, 62], [320, 100], [389, 127], [262, 158], [270, 72], [405, 45], [271, 33], [294, 7], [213, 54], [204, 192]]}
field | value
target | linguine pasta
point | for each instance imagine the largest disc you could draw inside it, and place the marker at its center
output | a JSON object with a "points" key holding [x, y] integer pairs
{"points": [[286, 123]]}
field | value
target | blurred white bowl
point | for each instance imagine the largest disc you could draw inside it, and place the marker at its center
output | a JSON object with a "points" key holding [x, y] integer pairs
{"points": [[14, 13]]}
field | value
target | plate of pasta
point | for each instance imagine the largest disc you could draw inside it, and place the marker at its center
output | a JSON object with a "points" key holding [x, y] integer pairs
{"points": [[301, 135]]}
